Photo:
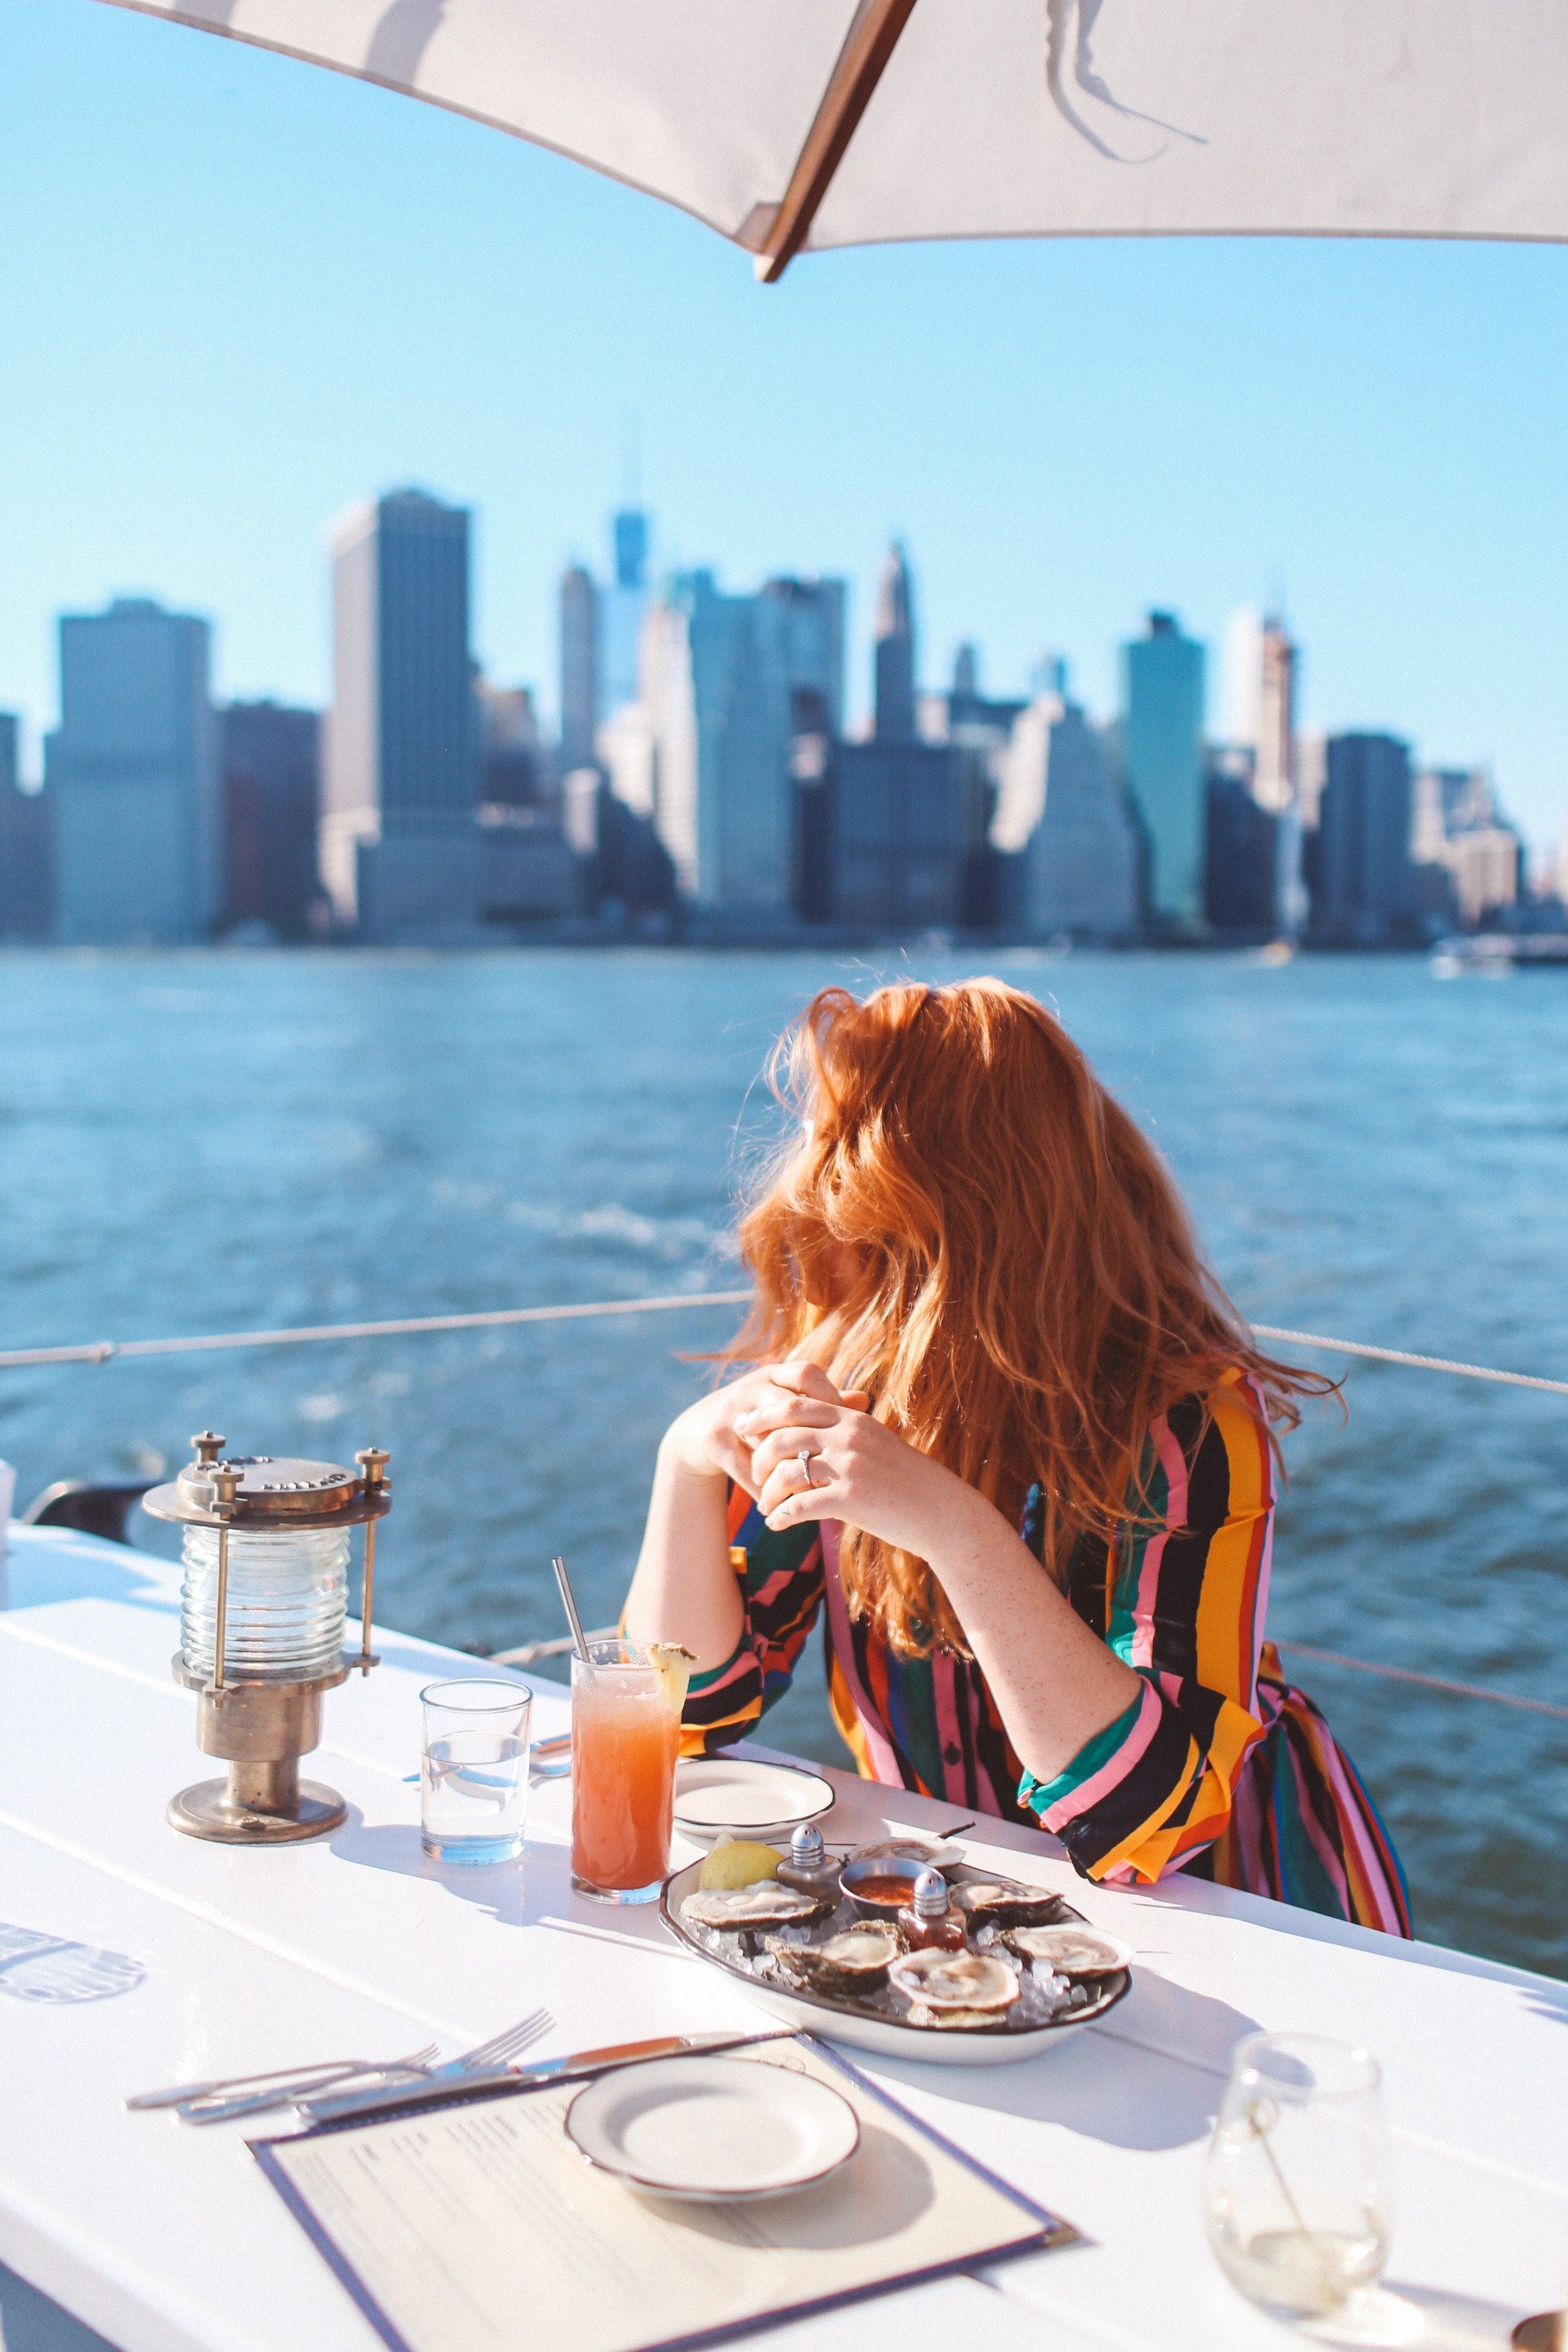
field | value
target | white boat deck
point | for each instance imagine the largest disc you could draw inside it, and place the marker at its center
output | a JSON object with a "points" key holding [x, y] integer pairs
{"points": [[164, 2238]]}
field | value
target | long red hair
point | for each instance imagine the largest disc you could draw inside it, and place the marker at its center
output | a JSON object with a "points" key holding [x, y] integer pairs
{"points": [[968, 1224]]}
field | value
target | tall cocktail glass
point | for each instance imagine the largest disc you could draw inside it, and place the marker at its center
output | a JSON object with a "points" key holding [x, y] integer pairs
{"points": [[626, 1734]]}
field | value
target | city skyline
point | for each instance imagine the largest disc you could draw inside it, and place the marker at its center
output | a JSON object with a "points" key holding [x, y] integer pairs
{"points": [[1063, 434], [1246, 689], [725, 790]]}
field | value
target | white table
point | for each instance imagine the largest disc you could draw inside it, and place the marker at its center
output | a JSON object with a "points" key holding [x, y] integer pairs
{"points": [[164, 2238]]}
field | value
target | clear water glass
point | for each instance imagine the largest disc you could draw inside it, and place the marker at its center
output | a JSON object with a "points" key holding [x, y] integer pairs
{"points": [[288, 1594], [1298, 2194], [473, 1770]]}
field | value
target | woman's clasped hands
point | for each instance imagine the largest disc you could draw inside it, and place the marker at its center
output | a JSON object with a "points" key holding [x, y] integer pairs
{"points": [[817, 1453], [806, 1450]]}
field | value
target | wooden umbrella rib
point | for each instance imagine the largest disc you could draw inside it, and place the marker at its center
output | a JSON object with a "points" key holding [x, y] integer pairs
{"points": [[872, 38]]}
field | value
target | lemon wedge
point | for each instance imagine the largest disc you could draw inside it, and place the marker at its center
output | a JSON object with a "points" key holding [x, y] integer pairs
{"points": [[738, 1862]]}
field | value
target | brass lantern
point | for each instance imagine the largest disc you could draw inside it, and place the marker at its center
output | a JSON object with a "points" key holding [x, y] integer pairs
{"points": [[263, 1610]]}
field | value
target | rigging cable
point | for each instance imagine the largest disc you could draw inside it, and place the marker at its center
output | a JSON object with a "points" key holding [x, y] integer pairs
{"points": [[104, 1351]]}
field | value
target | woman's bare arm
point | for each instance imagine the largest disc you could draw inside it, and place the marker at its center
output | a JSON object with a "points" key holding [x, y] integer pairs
{"points": [[684, 1589]]}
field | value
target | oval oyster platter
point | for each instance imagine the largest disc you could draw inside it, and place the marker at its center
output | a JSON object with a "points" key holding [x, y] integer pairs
{"points": [[847, 1977]]}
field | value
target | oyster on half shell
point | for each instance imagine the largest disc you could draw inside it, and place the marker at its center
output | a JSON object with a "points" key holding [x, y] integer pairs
{"points": [[913, 1845], [1000, 1903], [1068, 1951], [737, 1910], [853, 1962], [956, 1989]]}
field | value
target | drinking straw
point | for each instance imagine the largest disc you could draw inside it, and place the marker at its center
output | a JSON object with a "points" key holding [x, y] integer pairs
{"points": [[579, 1638], [1261, 2117]]}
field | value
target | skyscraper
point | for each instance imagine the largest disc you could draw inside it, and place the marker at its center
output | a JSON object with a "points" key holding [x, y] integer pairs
{"points": [[1062, 826], [718, 702], [24, 859], [811, 612], [133, 778], [399, 852], [1163, 753], [1261, 681], [626, 602], [579, 668], [1242, 852], [1363, 891], [1241, 678], [511, 768], [1274, 773], [897, 835], [1312, 775], [894, 654], [1457, 828], [270, 759]]}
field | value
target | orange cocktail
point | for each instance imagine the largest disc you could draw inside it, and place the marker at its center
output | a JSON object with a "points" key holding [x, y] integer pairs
{"points": [[626, 1734]]}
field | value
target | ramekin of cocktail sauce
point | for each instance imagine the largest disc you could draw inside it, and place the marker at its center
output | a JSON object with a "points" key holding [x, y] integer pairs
{"points": [[881, 1884]]}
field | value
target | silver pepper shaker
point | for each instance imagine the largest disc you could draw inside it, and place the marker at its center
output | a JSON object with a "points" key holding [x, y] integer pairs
{"points": [[810, 1868]]}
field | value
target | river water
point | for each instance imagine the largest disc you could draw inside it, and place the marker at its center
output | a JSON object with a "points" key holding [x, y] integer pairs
{"points": [[221, 1141]]}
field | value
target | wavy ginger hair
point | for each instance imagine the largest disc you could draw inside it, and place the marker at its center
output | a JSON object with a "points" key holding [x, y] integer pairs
{"points": [[972, 1228]]}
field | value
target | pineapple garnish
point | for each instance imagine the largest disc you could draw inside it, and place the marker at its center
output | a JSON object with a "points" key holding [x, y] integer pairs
{"points": [[672, 1663]]}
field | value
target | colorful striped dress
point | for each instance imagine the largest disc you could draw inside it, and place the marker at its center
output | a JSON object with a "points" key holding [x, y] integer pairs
{"points": [[1219, 1767]]}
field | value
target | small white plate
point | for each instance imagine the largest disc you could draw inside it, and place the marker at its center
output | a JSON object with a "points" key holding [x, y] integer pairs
{"points": [[712, 2131], [715, 1793]]}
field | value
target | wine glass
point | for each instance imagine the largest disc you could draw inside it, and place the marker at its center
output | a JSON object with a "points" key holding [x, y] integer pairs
{"points": [[1297, 2195]]}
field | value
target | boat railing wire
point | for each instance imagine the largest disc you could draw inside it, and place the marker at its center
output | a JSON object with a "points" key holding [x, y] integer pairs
{"points": [[108, 1351]]}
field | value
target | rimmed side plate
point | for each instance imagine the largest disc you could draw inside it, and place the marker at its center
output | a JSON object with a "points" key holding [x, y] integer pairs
{"points": [[846, 2021], [712, 2131], [715, 1793]]}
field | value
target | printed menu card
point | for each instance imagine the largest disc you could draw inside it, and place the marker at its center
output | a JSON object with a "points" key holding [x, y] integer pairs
{"points": [[481, 2228]]}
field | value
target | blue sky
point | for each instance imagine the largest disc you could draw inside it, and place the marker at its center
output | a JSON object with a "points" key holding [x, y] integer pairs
{"points": [[237, 293]]}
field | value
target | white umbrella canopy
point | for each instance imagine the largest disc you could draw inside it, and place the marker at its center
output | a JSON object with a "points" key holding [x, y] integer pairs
{"points": [[790, 125]]}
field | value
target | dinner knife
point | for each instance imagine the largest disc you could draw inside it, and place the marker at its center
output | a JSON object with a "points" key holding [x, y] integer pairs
{"points": [[364, 2105]]}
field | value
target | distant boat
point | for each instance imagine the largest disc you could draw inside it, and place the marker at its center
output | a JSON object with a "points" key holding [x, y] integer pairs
{"points": [[1490, 954]]}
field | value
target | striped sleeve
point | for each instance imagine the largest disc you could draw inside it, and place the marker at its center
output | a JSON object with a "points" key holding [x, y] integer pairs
{"points": [[1184, 1608], [781, 1578]]}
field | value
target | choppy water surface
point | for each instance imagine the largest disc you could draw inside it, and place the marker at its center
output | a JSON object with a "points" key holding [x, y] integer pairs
{"points": [[212, 1142]]}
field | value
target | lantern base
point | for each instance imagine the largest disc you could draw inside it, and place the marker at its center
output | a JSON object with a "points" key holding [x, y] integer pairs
{"points": [[212, 1810], [1545, 2333]]}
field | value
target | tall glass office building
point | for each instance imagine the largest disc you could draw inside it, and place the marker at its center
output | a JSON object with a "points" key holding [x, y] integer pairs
{"points": [[734, 686], [1163, 686], [893, 649], [132, 777], [399, 842], [720, 714], [579, 668], [626, 602], [1364, 891]]}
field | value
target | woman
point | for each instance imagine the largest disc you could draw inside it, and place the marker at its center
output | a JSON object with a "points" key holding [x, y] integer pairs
{"points": [[1007, 1430]]}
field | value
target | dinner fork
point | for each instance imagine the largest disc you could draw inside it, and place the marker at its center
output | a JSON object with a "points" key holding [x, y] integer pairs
{"points": [[478, 2060], [218, 2108], [489, 2058], [325, 2071]]}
